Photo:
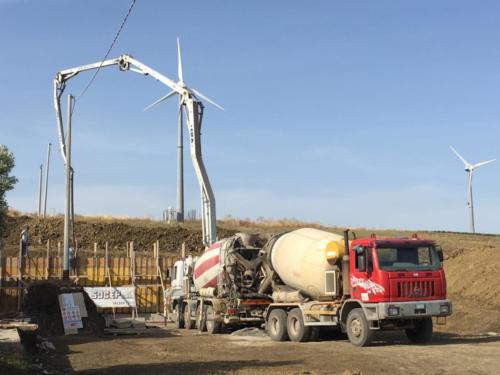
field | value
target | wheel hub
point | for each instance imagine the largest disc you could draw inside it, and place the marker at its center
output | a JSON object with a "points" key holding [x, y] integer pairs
{"points": [[356, 327]]}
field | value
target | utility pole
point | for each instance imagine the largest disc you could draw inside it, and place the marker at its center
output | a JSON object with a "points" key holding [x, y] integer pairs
{"points": [[67, 213], [180, 167], [40, 191], [46, 181]]}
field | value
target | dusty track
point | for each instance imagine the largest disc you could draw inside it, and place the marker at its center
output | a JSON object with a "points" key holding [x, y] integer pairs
{"points": [[159, 351]]}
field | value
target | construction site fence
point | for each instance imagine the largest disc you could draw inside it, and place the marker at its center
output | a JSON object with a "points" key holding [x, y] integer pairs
{"points": [[150, 274]]}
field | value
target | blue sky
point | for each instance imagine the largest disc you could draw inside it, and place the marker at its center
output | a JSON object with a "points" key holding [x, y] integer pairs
{"points": [[338, 112]]}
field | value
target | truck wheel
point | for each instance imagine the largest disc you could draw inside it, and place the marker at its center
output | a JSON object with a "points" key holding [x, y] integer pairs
{"points": [[276, 325], [201, 318], [421, 333], [213, 326], [179, 317], [357, 328], [297, 331], [188, 322]]}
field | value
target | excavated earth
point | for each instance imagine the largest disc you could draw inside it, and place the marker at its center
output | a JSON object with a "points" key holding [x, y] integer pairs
{"points": [[117, 234], [472, 262]]}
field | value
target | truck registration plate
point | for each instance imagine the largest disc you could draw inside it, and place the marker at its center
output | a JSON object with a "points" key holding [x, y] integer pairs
{"points": [[420, 308]]}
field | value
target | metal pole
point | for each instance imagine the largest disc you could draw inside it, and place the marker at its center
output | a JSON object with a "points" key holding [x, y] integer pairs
{"points": [[471, 205], [180, 168], [46, 180], [72, 210], [67, 213], [40, 191]]}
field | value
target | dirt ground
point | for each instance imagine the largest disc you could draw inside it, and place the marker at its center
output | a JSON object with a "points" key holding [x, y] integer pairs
{"points": [[170, 351]]}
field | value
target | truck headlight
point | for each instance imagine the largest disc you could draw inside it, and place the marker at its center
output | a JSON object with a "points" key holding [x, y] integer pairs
{"points": [[444, 309], [393, 311]]}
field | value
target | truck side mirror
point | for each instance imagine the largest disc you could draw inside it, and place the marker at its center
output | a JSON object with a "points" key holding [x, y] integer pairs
{"points": [[440, 254], [360, 258]]}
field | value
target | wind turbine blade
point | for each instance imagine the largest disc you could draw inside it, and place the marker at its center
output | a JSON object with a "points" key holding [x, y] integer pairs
{"points": [[164, 97], [460, 156], [483, 163], [207, 99], [179, 61]]}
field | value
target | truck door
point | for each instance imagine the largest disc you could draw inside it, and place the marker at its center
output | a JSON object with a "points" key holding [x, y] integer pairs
{"points": [[178, 274], [362, 287]]}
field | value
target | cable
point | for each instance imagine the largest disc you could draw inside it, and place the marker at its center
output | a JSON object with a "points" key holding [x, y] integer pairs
{"points": [[109, 50]]}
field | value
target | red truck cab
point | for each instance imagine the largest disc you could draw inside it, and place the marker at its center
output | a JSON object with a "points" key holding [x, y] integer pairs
{"points": [[399, 283]]}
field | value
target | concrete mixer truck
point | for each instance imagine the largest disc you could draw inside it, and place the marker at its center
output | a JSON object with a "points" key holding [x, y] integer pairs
{"points": [[219, 289], [321, 280]]}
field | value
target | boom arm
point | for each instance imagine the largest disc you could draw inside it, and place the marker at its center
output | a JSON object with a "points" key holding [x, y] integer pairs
{"points": [[194, 118]]}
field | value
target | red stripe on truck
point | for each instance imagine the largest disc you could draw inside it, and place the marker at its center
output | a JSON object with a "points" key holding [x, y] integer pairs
{"points": [[206, 265], [216, 245], [211, 283]]}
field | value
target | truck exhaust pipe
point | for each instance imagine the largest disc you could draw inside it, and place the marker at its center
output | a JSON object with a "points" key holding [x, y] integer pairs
{"points": [[346, 285]]}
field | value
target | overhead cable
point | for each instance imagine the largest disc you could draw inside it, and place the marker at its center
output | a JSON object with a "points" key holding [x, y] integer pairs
{"points": [[109, 50]]}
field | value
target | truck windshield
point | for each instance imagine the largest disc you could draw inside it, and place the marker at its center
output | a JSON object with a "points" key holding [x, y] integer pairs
{"points": [[408, 258]]}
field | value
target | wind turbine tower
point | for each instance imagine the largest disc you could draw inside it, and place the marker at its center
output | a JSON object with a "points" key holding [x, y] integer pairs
{"points": [[180, 141], [469, 168]]}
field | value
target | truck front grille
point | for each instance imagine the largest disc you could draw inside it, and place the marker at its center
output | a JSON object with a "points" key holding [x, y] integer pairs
{"points": [[414, 289]]}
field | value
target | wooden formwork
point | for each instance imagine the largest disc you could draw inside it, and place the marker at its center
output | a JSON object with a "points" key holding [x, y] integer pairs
{"points": [[149, 273]]}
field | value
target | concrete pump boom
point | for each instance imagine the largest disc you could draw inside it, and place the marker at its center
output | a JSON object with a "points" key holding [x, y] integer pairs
{"points": [[194, 113]]}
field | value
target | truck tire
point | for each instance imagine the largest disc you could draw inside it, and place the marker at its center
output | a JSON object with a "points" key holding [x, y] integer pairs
{"points": [[276, 325], [421, 333], [188, 322], [297, 331], [213, 326], [179, 320], [358, 331], [201, 318]]}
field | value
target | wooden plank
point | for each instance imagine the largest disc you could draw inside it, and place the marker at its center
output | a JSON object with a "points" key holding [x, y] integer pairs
{"points": [[91, 272], [1, 272], [47, 270]]}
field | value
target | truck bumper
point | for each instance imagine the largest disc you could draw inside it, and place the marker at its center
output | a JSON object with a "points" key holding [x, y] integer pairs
{"points": [[413, 309]]}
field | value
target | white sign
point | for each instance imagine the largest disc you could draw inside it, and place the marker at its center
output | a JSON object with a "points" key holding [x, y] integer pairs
{"points": [[120, 296], [70, 313]]}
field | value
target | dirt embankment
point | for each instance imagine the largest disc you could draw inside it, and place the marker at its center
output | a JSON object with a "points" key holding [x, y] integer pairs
{"points": [[472, 266], [117, 234]]}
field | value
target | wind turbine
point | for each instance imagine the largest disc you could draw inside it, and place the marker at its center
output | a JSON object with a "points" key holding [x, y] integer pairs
{"points": [[180, 141], [469, 168]]}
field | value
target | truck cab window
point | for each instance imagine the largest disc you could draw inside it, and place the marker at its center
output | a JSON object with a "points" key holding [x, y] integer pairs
{"points": [[361, 255], [409, 258]]}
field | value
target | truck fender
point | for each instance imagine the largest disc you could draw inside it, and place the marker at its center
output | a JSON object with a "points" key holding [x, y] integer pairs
{"points": [[346, 309], [218, 305], [370, 312]]}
